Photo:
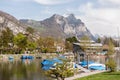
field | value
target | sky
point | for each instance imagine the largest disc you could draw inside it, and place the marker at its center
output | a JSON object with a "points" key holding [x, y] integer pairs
{"points": [[100, 16]]}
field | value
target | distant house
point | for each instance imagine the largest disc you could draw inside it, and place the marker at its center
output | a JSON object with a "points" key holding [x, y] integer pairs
{"points": [[91, 47]]}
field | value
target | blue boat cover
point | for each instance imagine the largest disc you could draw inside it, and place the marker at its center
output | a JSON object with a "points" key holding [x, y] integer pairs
{"points": [[97, 68], [27, 57], [84, 63], [47, 62], [30, 57]]}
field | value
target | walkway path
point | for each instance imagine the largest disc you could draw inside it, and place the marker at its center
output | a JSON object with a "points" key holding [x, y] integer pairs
{"points": [[83, 75]]}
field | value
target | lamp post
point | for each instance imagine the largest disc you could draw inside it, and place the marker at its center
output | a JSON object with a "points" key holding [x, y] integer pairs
{"points": [[87, 60]]}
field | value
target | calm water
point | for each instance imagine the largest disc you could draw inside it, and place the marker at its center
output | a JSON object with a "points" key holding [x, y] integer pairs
{"points": [[22, 70]]}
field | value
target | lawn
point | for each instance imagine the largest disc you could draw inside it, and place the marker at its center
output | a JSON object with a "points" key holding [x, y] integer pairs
{"points": [[103, 76]]}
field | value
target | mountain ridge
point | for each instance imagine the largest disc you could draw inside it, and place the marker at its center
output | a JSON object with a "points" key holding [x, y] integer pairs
{"points": [[56, 26], [66, 26]]}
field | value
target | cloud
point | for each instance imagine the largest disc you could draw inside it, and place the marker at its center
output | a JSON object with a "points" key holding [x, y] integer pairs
{"points": [[101, 20], [20, 0], [52, 2], [110, 2]]}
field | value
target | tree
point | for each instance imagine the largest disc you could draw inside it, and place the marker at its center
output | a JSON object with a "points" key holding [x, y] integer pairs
{"points": [[111, 48], [30, 30], [86, 44], [69, 43], [20, 41], [6, 37], [85, 41], [62, 70], [68, 46], [46, 44], [72, 39], [31, 45], [110, 62], [98, 40]]}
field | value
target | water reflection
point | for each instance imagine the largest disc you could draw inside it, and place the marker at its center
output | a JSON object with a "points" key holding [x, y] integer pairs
{"points": [[22, 70]]}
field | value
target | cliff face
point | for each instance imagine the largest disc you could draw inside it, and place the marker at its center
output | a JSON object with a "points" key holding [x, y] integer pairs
{"points": [[56, 26], [60, 27], [7, 20]]}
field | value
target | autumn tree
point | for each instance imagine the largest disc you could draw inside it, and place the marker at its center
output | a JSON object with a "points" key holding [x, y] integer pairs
{"points": [[46, 44], [68, 46]]}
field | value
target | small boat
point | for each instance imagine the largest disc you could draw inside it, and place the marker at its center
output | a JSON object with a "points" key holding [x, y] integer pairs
{"points": [[49, 64], [97, 66], [10, 57], [30, 57], [27, 57], [84, 63]]}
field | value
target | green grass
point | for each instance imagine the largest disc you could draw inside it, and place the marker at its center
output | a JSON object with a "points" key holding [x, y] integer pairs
{"points": [[103, 76]]}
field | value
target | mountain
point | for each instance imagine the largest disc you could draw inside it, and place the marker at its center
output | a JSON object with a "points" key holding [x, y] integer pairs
{"points": [[6, 20], [60, 27], [56, 26]]}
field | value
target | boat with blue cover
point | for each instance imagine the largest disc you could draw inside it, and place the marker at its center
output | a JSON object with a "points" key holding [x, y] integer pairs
{"points": [[30, 57], [84, 63], [48, 64], [27, 57], [97, 66], [11, 58]]}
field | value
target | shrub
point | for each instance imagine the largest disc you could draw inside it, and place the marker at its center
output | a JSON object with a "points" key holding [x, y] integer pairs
{"points": [[111, 65]]}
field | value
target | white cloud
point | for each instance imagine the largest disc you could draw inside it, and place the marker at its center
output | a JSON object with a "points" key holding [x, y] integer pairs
{"points": [[20, 0], [102, 20], [116, 2], [52, 2]]}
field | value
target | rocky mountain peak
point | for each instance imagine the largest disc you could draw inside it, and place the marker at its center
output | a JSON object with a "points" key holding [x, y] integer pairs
{"points": [[6, 20], [71, 16], [56, 16], [60, 26]]}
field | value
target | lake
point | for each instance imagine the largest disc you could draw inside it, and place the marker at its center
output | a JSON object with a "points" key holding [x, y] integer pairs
{"points": [[22, 70]]}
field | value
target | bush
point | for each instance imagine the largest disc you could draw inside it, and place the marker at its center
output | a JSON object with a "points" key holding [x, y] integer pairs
{"points": [[61, 70], [111, 65]]}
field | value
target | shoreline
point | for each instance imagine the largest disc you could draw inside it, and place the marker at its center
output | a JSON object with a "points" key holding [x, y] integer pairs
{"points": [[83, 75], [18, 56]]}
